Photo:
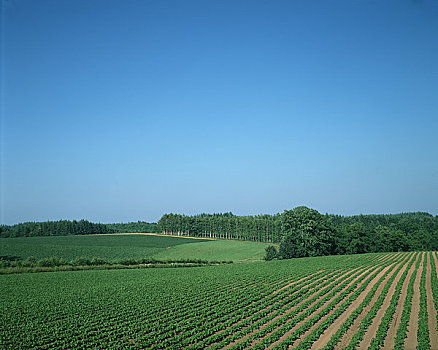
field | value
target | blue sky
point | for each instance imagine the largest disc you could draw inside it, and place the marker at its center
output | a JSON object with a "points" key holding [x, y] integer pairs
{"points": [[124, 110]]}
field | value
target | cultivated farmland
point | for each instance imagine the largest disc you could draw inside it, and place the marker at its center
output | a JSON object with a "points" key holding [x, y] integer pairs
{"points": [[134, 246], [357, 301]]}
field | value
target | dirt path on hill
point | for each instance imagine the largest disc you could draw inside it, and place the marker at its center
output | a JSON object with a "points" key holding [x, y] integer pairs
{"points": [[299, 324], [411, 340], [395, 322], [345, 340], [372, 329], [285, 313], [431, 311], [334, 327]]}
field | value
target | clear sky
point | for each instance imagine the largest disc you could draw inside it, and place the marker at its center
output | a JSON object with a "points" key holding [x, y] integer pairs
{"points": [[116, 110]]}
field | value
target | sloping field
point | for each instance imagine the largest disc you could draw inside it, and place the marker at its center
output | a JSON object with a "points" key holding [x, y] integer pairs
{"points": [[368, 301], [237, 251], [124, 246], [89, 246]]}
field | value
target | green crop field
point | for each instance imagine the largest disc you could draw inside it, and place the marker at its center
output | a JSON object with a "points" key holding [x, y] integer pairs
{"points": [[102, 246], [130, 246], [368, 301], [237, 251]]}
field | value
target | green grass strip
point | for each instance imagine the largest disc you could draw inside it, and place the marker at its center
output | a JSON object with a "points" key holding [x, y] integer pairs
{"points": [[403, 326], [434, 283], [423, 328]]}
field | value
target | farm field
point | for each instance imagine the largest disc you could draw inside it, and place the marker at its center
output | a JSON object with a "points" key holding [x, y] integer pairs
{"points": [[89, 246], [358, 301], [135, 246], [237, 251]]}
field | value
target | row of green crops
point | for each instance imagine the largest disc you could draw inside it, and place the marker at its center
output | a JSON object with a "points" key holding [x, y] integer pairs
{"points": [[242, 306]]}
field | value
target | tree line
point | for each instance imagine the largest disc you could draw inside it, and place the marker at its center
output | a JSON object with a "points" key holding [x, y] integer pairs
{"points": [[133, 227], [67, 227], [305, 232], [52, 228], [261, 228]]}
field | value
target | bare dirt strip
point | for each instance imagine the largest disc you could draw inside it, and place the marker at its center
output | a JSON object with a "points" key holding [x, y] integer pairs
{"points": [[298, 325], [285, 313], [372, 329], [392, 331], [345, 340], [328, 333], [431, 311], [411, 340]]}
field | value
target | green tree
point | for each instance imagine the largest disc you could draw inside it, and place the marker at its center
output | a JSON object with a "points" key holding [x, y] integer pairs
{"points": [[271, 252], [306, 233]]}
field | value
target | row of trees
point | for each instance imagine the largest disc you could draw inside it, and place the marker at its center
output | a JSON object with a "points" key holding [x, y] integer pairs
{"points": [[52, 228], [261, 228], [133, 227], [66, 227]]}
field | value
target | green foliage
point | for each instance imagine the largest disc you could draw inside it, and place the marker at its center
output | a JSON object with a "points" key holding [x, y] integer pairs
{"points": [[423, 328], [260, 228], [52, 264], [306, 233], [66, 227], [52, 228], [434, 282], [133, 227], [271, 253]]}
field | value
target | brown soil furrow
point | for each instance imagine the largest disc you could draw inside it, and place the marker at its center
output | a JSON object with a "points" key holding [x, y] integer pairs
{"points": [[345, 340], [372, 329], [285, 313], [326, 336], [392, 331], [431, 311], [411, 340], [322, 307]]}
